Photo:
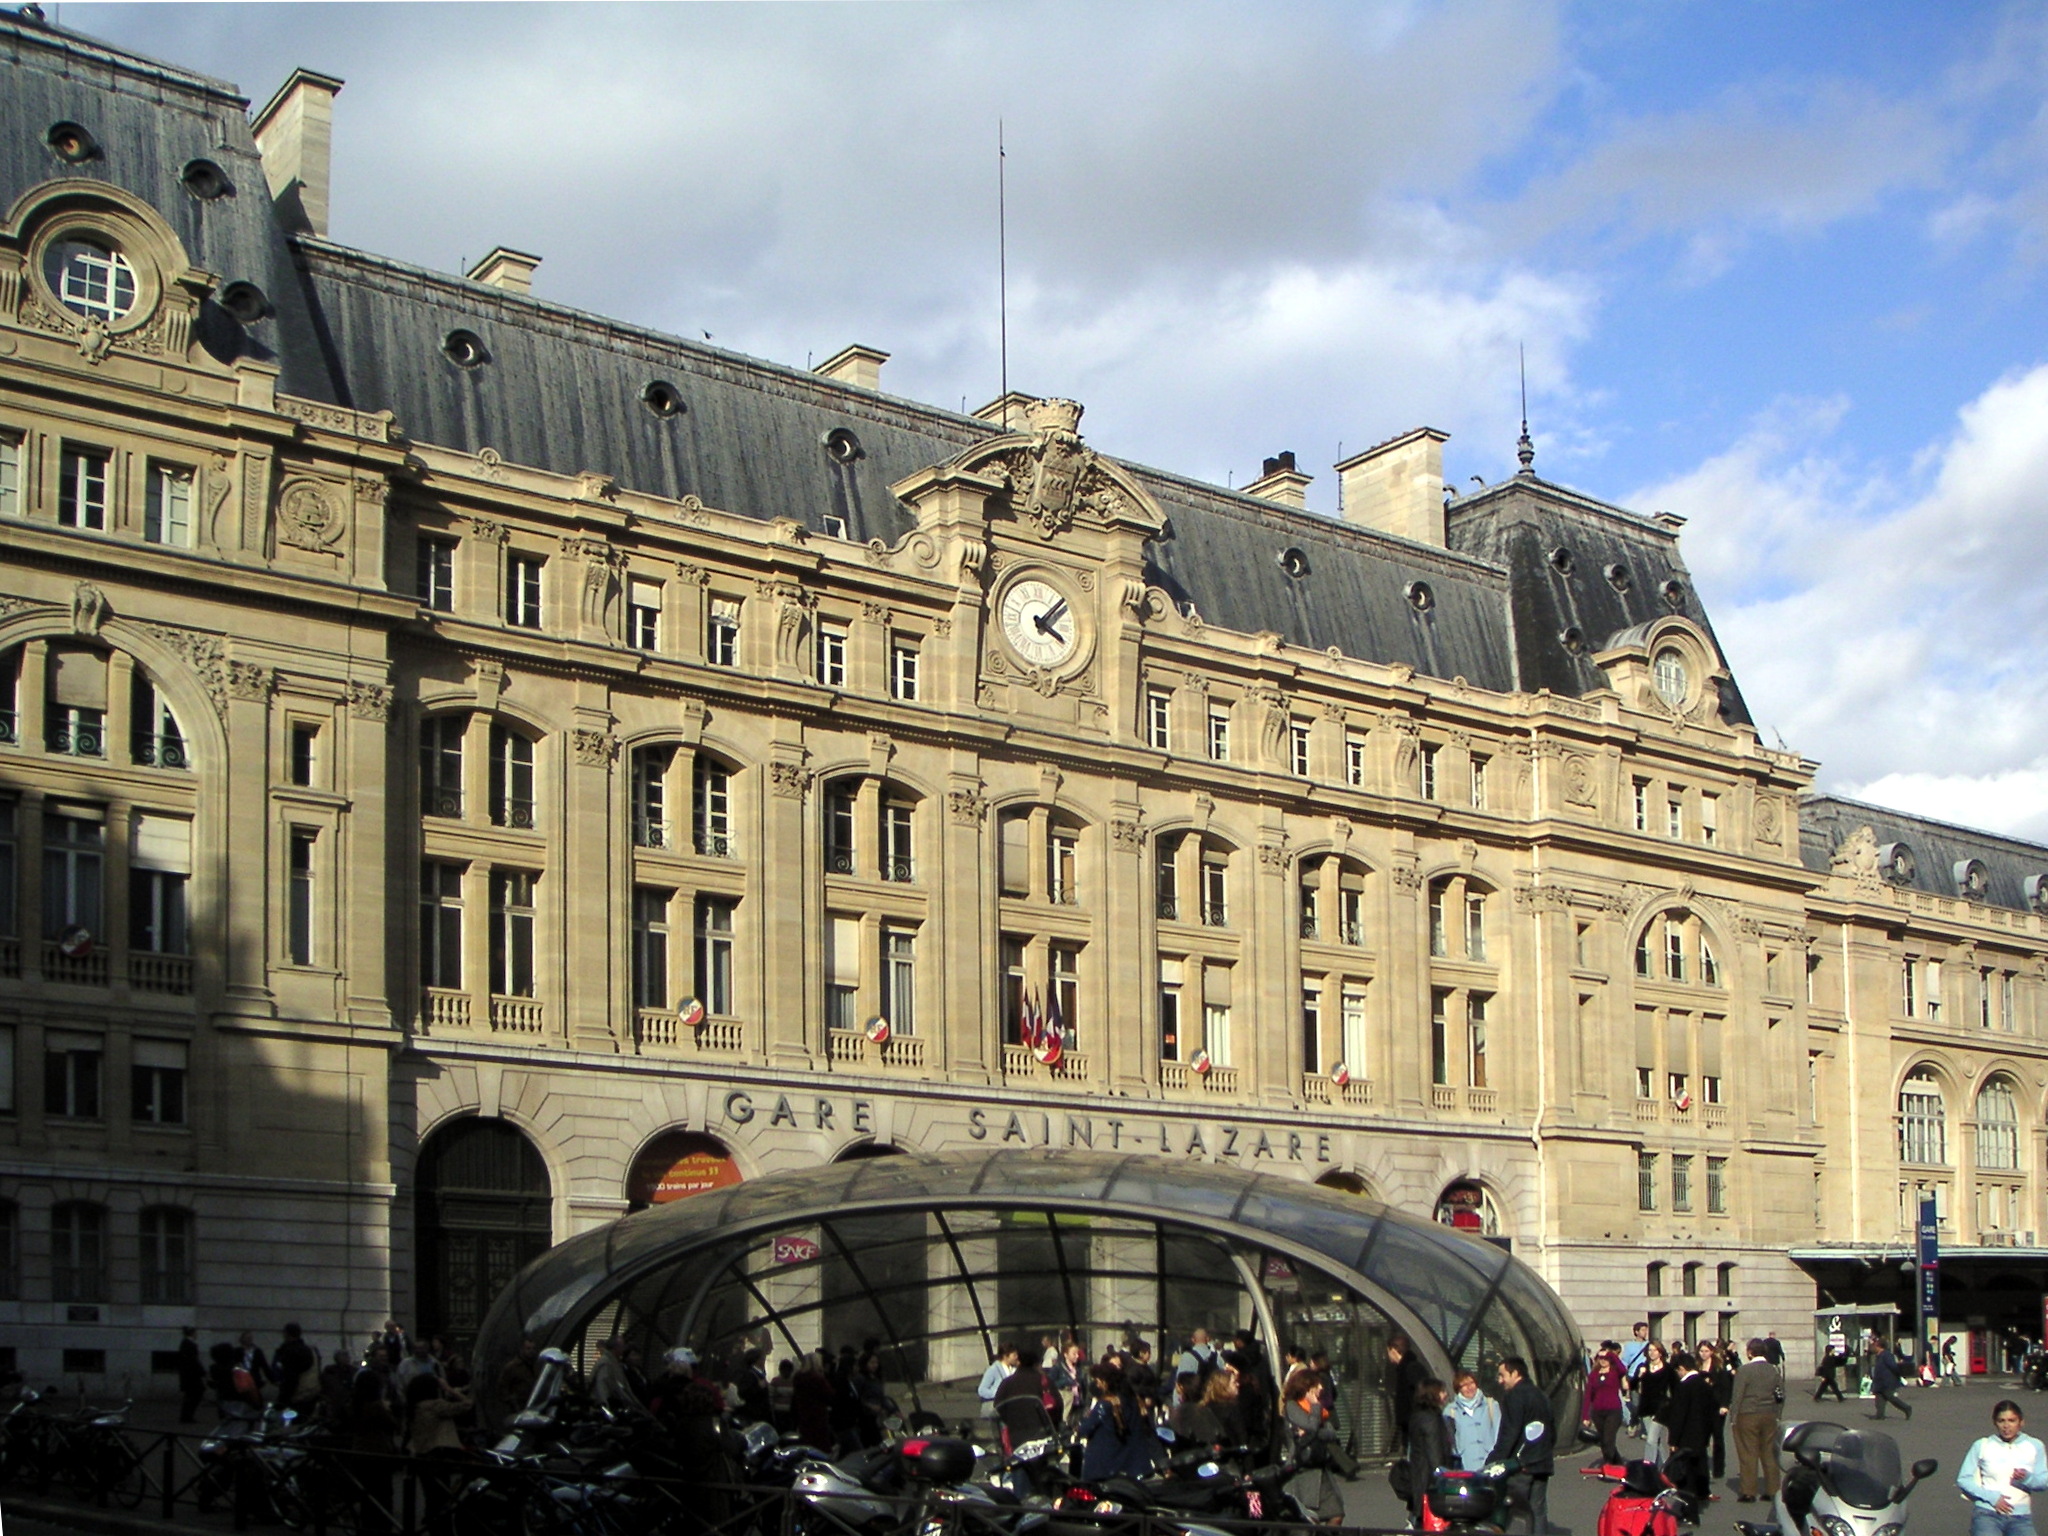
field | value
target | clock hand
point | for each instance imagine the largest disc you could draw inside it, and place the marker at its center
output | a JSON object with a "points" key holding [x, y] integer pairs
{"points": [[1052, 614]]}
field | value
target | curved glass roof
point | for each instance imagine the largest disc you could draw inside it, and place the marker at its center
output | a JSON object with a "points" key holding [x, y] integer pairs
{"points": [[1464, 1301]]}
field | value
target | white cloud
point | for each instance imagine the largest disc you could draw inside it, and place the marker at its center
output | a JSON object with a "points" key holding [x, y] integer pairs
{"points": [[1890, 624]]}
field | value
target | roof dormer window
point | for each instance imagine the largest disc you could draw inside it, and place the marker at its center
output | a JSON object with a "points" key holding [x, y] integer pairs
{"points": [[92, 280]]}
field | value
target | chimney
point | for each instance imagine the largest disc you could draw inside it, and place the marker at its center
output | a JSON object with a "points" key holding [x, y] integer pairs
{"points": [[856, 365], [507, 269], [295, 135], [1398, 487], [1281, 482], [1011, 412]]}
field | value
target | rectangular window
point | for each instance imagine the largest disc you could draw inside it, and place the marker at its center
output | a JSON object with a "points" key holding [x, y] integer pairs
{"points": [[512, 803], [1674, 818], [1909, 978], [1062, 859], [441, 764], [1351, 915], [899, 979], [711, 809], [512, 933], [1984, 999], [650, 767], [1215, 892], [523, 590], [1681, 1190], [10, 474], [1429, 779], [897, 824], [1353, 1043], [155, 741], [1159, 718], [434, 573], [1439, 1038], [1674, 952], [1311, 1027], [1710, 818], [76, 716], [7, 1043], [166, 1256], [73, 867], [1479, 766], [1717, 1200], [1642, 804], [1063, 964], [1475, 1040], [167, 510], [1439, 928], [78, 1259], [835, 526], [71, 1074], [159, 870], [903, 670], [1354, 759], [1166, 880], [842, 973], [650, 947], [832, 655], [82, 488], [643, 614], [722, 633], [1934, 991], [2006, 1016], [1475, 926], [714, 955], [1311, 912], [1219, 735], [156, 1082], [1171, 974], [1646, 1181], [1653, 1280], [1297, 748], [299, 896], [440, 924], [303, 742], [840, 805]]}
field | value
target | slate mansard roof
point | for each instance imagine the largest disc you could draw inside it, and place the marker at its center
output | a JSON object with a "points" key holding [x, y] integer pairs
{"points": [[2015, 871], [562, 391]]}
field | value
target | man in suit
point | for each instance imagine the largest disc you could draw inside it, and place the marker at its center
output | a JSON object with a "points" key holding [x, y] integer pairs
{"points": [[1691, 1416]]}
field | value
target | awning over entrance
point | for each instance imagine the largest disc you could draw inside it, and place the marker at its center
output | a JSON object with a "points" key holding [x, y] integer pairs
{"points": [[937, 1259]]}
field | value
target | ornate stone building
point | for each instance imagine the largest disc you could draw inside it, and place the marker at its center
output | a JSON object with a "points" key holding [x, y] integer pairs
{"points": [[470, 766]]}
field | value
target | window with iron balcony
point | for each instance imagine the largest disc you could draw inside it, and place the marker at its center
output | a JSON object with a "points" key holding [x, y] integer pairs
{"points": [[512, 792]]}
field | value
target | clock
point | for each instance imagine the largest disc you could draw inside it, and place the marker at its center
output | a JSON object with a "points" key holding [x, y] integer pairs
{"points": [[1039, 624]]}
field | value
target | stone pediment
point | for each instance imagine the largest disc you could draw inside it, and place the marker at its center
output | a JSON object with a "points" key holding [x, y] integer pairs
{"points": [[1051, 480]]}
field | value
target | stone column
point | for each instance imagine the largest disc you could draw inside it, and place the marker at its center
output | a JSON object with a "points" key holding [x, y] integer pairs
{"points": [[1130, 1004], [374, 926], [968, 1042], [792, 919], [587, 879], [257, 879]]}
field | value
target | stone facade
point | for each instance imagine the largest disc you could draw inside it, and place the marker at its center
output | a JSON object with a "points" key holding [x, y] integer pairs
{"points": [[360, 784]]}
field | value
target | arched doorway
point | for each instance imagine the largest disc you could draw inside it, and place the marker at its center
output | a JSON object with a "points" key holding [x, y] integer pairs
{"points": [[1468, 1206], [483, 1207], [1346, 1183], [677, 1165]]}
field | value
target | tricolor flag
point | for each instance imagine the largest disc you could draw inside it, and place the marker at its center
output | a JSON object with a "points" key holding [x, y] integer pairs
{"points": [[1027, 1022], [1052, 1035]]}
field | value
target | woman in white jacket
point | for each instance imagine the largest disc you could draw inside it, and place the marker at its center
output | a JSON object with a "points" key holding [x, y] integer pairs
{"points": [[2000, 1472]]}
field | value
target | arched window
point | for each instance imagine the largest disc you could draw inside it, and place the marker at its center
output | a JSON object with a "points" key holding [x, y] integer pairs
{"points": [[1333, 900], [1192, 879], [512, 799], [1674, 947], [1457, 919], [1923, 1120], [712, 823], [1998, 1127], [1039, 855], [157, 742], [166, 1233], [78, 1251], [1468, 1206], [855, 802]]}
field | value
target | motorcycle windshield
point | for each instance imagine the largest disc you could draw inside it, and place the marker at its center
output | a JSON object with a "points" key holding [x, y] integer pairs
{"points": [[1862, 1470]]}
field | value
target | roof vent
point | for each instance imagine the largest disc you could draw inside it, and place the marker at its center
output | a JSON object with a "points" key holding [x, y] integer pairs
{"points": [[1281, 482], [465, 349], [1420, 596], [1674, 592], [205, 180], [1574, 640], [507, 269], [1618, 577], [1973, 879], [72, 144], [1561, 560], [1896, 863], [842, 447], [1294, 562], [856, 365], [246, 302], [663, 399]]}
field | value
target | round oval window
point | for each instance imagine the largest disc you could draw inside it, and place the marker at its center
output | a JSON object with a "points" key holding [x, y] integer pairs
{"points": [[91, 279], [1672, 683]]}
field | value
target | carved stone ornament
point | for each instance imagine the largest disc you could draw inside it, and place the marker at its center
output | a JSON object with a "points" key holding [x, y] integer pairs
{"points": [[793, 609], [967, 807], [788, 780], [594, 748], [594, 485], [1858, 856], [204, 654], [1273, 723], [89, 608], [1770, 824], [252, 681], [369, 701], [1407, 872], [1273, 854], [309, 514], [1054, 477], [219, 483], [488, 530], [490, 464], [1579, 785], [1126, 834]]}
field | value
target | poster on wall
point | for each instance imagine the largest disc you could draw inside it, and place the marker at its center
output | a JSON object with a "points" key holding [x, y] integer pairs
{"points": [[677, 1167]]}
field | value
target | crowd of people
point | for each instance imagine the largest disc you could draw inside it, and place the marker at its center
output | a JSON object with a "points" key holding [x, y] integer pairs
{"points": [[1460, 1427]]}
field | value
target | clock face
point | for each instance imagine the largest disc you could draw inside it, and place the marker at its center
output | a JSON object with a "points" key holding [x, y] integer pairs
{"points": [[1037, 622]]}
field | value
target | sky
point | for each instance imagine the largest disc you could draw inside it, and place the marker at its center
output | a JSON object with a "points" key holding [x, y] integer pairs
{"points": [[1779, 268]]}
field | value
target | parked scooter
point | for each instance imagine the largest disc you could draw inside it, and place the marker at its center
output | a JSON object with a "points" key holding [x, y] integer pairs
{"points": [[1846, 1482]]}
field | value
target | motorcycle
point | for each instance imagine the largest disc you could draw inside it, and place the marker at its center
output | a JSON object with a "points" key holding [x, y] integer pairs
{"points": [[1843, 1482]]}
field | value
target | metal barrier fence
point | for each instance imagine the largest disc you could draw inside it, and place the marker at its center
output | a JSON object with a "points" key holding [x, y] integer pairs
{"points": [[322, 1488]]}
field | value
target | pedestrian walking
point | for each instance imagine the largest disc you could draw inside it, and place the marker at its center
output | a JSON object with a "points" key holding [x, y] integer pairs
{"points": [[1885, 1380], [1758, 1391], [296, 1368], [1720, 1373], [1653, 1402], [1632, 1354], [2001, 1472], [191, 1375], [1831, 1362], [1604, 1398]]}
